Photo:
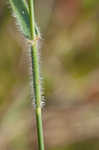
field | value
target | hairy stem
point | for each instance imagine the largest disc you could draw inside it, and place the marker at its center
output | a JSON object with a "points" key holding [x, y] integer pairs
{"points": [[36, 77]]}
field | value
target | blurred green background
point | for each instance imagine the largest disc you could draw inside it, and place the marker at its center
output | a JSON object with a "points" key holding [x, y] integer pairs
{"points": [[69, 53]]}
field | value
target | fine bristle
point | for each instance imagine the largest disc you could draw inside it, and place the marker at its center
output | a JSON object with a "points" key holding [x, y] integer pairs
{"points": [[30, 72]]}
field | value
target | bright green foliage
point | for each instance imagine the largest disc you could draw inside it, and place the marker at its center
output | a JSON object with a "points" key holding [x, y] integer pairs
{"points": [[21, 11]]}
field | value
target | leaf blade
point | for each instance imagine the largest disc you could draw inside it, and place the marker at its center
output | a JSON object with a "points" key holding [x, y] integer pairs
{"points": [[21, 11]]}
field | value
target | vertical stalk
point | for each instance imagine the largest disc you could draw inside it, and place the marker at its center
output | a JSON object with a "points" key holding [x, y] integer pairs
{"points": [[36, 77]]}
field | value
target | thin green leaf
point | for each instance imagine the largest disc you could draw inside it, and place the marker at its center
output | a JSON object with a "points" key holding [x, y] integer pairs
{"points": [[21, 11]]}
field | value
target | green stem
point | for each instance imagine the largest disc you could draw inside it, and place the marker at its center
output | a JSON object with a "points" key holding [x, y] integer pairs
{"points": [[36, 77]]}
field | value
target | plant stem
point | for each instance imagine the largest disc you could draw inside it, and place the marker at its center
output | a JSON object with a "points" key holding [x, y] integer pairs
{"points": [[36, 77]]}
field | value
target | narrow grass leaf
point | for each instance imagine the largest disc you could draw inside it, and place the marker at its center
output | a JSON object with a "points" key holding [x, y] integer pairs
{"points": [[21, 11]]}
